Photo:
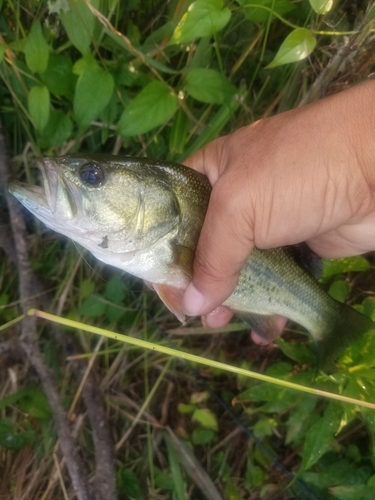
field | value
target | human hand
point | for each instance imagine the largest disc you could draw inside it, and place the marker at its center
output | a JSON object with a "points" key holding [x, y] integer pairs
{"points": [[304, 175]]}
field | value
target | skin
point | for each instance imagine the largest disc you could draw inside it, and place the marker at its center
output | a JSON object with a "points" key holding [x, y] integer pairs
{"points": [[304, 175]]}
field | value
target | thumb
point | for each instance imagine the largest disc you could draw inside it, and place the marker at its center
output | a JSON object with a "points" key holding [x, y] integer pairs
{"points": [[225, 243]]}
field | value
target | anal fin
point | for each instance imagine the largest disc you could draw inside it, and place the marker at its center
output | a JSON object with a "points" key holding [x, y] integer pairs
{"points": [[267, 327]]}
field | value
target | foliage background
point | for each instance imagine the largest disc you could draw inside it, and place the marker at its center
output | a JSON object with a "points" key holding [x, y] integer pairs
{"points": [[160, 79]]}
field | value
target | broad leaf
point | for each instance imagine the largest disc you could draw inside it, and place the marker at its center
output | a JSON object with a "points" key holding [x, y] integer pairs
{"points": [[339, 290], [92, 307], [39, 106], [79, 23], [206, 418], [320, 436], [152, 107], [93, 92], [203, 18], [36, 49], [59, 77], [297, 46], [202, 436], [349, 264], [11, 438], [321, 6], [208, 85], [57, 130], [259, 11]]}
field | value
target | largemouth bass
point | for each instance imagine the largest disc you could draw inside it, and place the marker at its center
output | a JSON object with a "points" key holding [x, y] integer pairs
{"points": [[144, 216]]}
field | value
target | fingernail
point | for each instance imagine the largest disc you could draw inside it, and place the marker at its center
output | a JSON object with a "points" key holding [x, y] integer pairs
{"points": [[193, 301]]}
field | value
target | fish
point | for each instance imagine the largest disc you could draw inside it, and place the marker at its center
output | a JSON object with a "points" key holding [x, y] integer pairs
{"points": [[144, 216]]}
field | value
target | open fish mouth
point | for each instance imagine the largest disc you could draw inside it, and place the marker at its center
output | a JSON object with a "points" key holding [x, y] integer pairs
{"points": [[55, 193]]}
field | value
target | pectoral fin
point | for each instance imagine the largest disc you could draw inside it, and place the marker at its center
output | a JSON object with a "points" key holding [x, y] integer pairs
{"points": [[267, 327], [172, 298]]}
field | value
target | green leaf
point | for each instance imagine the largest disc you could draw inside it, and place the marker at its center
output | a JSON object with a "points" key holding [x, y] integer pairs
{"points": [[354, 492], [206, 418], [152, 107], [79, 23], [35, 404], [36, 49], [39, 106], [371, 12], [92, 307], [321, 6], [208, 85], [86, 61], [127, 484], [299, 418], [296, 351], [2, 51], [203, 18], [202, 436], [115, 290], [59, 77], [93, 92], [296, 46], [11, 439], [319, 437], [259, 11], [184, 408], [339, 290], [349, 264], [57, 130], [264, 427], [86, 288]]}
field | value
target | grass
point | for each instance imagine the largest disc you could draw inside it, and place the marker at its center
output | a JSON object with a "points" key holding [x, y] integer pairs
{"points": [[180, 430]]}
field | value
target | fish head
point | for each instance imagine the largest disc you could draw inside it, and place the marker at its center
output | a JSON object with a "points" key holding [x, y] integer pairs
{"points": [[107, 205]]}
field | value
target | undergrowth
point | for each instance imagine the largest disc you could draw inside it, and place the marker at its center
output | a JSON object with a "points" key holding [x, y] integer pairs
{"points": [[160, 79]]}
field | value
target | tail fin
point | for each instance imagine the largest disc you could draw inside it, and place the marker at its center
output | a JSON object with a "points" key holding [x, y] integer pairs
{"points": [[350, 325]]}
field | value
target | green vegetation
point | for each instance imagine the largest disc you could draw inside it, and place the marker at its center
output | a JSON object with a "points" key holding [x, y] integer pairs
{"points": [[160, 79]]}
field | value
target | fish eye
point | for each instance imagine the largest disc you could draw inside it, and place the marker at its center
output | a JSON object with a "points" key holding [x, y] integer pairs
{"points": [[91, 174]]}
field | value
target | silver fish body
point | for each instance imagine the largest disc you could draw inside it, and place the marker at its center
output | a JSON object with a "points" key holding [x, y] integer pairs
{"points": [[144, 216]]}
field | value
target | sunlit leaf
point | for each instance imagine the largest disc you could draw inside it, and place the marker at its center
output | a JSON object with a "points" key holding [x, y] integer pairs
{"points": [[152, 107], [206, 418], [93, 92], [36, 49], [296, 46], [39, 106], [203, 18], [319, 437], [79, 23], [339, 290], [349, 264], [321, 6], [208, 85]]}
